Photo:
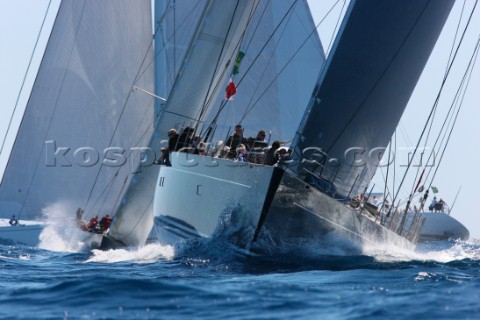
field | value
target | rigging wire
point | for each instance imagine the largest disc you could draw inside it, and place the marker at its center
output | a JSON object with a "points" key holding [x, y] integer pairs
{"points": [[174, 37], [386, 178], [332, 38], [402, 129], [246, 49], [217, 65], [25, 76], [449, 121], [452, 49], [249, 43], [474, 58], [438, 97], [223, 104], [249, 106], [208, 103], [289, 61], [267, 41], [395, 191], [456, 34]]}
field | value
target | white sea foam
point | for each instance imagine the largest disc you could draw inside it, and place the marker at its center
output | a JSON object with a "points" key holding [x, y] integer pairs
{"points": [[61, 233], [442, 251], [338, 245], [145, 254]]}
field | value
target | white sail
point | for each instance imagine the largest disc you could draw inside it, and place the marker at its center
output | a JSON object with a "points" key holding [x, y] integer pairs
{"points": [[283, 57], [81, 104], [175, 26]]}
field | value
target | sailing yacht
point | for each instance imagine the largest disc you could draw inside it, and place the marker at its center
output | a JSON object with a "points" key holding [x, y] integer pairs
{"points": [[210, 34], [359, 97], [82, 125]]}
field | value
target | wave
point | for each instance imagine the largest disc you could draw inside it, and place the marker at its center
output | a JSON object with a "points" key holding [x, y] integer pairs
{"points": [[61, 233]]}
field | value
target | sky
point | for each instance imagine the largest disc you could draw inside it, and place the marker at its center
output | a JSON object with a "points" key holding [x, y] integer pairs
{"points": [[21, 21]]}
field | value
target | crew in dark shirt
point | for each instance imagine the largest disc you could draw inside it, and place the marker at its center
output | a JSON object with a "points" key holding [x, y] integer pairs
{"points": [[234, 140]]}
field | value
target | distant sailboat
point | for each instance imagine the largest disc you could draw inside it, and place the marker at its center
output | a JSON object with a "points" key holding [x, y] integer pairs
{"points": [[440, 225], [363, 88], [23, 232]]}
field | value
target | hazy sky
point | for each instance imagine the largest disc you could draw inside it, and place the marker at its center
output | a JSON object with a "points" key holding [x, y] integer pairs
{"points": [[20, 22]]}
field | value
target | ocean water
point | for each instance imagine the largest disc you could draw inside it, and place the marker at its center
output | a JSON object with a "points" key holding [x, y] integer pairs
{"points": [[205, 280]]}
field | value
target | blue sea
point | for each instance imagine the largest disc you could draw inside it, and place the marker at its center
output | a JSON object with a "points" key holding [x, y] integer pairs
{"points": [[204, 280]]}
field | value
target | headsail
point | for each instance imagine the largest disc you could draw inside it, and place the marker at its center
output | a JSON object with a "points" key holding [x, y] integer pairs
{"points": [[81, 101], [375, 63]]}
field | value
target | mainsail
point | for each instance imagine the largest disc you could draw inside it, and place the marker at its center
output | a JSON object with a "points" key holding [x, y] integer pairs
{"points": [[377, 58], [214, 44], [80, 105]]}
